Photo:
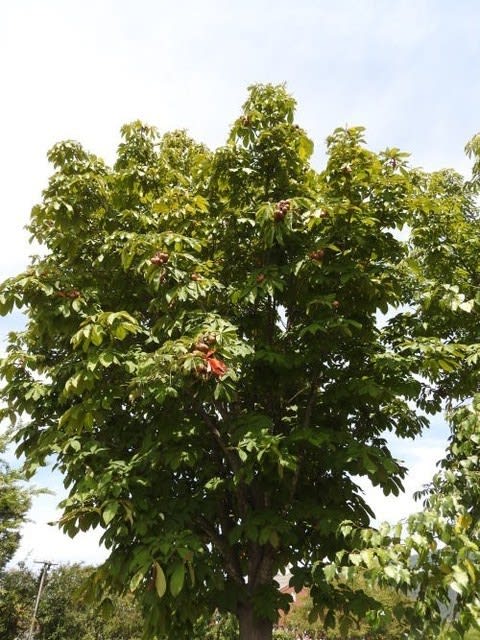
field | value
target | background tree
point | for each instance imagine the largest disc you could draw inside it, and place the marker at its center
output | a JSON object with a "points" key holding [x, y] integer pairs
{"points": [[14, 505], [203, 356], [61, 615], [216, 627], [435, 554], [18, 588], [443, 540], [380, 623], [444, 279]]}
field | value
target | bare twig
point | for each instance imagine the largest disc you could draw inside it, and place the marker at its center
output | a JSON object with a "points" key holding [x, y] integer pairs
{"points": [[298, 393]]}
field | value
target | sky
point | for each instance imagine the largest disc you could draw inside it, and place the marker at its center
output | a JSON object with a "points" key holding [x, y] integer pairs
{"points": [[79, 70]]}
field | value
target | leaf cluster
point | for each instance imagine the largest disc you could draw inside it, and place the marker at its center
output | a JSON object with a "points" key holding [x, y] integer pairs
{"points": [[15, 499]]}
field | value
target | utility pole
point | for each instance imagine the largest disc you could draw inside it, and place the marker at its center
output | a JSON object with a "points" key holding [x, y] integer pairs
{"points": [[43, 574]]}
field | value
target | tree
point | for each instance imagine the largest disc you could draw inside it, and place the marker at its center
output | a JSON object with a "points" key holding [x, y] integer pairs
{"points": [[380, 624], [216, 627], [14, 504], [434, 554], [446, 535], [203, 357], [61, 615], [17, 594]]}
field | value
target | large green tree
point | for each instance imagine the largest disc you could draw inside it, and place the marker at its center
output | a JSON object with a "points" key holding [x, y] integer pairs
{"points": [[203, 356]]}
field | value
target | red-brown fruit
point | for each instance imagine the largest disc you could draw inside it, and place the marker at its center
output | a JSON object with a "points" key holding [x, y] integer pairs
{"points": [[159, 258], [73, 293], [217, 367], [201, 369], [201, 346], [318, 255]]}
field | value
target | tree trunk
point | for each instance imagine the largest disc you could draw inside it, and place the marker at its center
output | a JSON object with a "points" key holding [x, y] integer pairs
{"points": [[251, 627]]}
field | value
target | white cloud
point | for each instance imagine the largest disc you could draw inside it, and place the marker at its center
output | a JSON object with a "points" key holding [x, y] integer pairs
{"points": [[44, 541], [420, 456]]}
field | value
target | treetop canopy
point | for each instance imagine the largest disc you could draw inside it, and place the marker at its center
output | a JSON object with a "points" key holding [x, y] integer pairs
{"points": [[203, 352]]}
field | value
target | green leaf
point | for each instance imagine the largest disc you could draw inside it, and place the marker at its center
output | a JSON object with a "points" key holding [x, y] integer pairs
{"points": [[107, 607], [109, 512], [106, 358], [160, 581], [75, 444], [120, 332], [177, 579], [96, 336], [137, 579], [305, 148], [191, 572], [330, 572]]}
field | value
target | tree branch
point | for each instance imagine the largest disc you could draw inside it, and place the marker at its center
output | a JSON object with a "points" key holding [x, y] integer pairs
{"points": [[233, 461], [310, 404], [306, 424], [260, 565], [232, 563]]}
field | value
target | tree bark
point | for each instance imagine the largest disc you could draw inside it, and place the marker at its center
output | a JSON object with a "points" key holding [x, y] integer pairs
{"points": [[251, 627]]}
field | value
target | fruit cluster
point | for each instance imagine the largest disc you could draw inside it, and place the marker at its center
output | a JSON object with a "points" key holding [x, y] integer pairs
{"points": [[281, 210], [209, 365], [159, 258], [317, 255], [74, 293]]}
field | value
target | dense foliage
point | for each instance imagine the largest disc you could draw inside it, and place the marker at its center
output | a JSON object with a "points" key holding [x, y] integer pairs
{"points": [[61, 615], [14, 505], [379, 624], [203, 353], [436, 553]]}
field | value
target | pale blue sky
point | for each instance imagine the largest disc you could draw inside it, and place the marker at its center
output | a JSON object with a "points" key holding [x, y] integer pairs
{"points": [[407, 70]]}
